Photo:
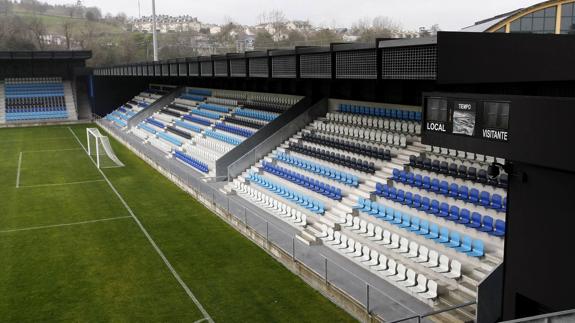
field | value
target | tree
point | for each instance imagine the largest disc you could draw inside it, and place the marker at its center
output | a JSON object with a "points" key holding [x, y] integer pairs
{"points": [[38, 30], [67, 30], [5, 7], [378, 27], [263, 40], [324, 37], [93, 14]]}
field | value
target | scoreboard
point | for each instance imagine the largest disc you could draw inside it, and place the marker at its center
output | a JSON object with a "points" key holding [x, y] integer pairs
{"points": [[536, 130], [466, 116]]}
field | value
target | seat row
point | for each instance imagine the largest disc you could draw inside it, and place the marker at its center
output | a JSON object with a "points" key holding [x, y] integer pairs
{"points": [[389, 268], [244, 123], [181, 133], [332, 157], [450, 239], [202, 92], [197, 120], [280, 208], [328, 191], [169, 138], [382, 123], [155, 122], [214, 107], [333, 174], [116, 120], [255, 114], [475, 220], [25, 116], [453, 190], [203, 167], [311, 204], [457, 170], [223, 101], [235, 130], [371, 134], [411, 250], [192, 97], [381, 112], [342, 144], [222, 137], [188, 126], [35, 109], [207, 114]]}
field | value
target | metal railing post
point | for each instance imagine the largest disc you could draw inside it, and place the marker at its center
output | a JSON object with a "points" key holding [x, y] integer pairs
{"points": [[325, 269], [367, 297]]}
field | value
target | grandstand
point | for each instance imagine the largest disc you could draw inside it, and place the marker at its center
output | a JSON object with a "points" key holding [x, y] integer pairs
{"points": [[368, 205], [400, 179], [36, 99]]}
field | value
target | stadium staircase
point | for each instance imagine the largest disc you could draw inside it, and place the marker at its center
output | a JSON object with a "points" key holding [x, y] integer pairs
{"points": [[332, 181], [70, 100], [2, 104]]}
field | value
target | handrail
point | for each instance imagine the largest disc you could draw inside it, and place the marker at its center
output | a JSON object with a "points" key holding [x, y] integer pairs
{"points": [[432, 313], [543, 316]]}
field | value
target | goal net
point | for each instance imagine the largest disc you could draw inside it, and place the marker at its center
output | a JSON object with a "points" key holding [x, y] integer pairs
{"points": [[100, 150]]}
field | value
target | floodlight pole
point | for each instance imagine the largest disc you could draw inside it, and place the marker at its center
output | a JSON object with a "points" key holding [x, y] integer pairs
{"points": [[154, 33]]}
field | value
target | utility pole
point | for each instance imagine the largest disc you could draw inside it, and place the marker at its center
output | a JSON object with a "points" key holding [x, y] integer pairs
{"points": [[154, 32]]}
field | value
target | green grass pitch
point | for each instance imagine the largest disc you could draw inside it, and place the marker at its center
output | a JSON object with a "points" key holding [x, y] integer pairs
{"points": [[70, 250]]}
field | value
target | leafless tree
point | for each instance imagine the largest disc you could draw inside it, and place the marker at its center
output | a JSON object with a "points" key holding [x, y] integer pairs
{"points": [[67, 30], [38, 30], [369, 29]]}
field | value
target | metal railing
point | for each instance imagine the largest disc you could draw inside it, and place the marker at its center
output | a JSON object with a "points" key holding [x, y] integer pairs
{"points": [[420, 317], [320, 265], [556, 317]]}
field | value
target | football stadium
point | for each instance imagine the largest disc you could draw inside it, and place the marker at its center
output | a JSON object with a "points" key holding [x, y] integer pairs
{"points": [[399, 180]]}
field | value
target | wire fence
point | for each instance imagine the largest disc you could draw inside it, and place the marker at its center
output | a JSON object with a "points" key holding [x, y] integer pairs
{"points": [[327, 272]]}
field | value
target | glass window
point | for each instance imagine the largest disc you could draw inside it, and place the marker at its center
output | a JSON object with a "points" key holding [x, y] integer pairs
{"points": [[541, 21], [568, 18], [538, 24], [567, 10], [515, 26]]}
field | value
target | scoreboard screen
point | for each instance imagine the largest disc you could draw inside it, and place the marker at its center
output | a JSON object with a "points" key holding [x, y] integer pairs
{"points": [[464, 116]]}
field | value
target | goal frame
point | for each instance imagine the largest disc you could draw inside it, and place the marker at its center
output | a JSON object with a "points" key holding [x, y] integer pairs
{"points": [[89, 133]]}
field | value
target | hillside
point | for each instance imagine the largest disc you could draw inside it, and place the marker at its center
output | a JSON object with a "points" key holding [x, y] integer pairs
{"points": [[54, 24]]}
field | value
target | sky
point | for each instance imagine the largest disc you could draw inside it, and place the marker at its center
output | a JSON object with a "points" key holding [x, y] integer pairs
{"points": [[410, 14]]}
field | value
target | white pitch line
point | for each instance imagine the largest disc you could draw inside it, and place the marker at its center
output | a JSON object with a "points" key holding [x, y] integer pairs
{"points": [[150, 239], [63, 184], [63, 224], [18, 174]]}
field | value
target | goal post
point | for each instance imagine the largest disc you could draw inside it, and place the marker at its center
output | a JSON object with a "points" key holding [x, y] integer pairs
{"points": [[99, 148]]}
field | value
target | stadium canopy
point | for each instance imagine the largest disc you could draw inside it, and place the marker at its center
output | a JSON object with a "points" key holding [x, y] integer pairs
{"points": [[549, 17]]}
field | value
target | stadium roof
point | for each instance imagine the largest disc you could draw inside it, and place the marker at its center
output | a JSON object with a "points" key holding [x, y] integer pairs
{"points": [[61, 54], [485, 24]]}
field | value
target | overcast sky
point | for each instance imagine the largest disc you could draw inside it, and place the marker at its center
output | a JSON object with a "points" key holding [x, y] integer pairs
{"points": [[411, 14]]}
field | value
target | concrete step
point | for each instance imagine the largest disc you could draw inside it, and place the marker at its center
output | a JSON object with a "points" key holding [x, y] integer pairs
{"points": [[309, 237], [70, 100]]}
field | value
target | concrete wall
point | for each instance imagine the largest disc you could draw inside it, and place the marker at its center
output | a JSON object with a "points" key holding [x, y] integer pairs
{"points": [[278, 131]]}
